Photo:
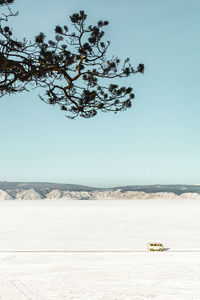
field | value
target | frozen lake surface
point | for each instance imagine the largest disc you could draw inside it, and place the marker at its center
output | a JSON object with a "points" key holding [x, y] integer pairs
{"points": [[93, 240]]}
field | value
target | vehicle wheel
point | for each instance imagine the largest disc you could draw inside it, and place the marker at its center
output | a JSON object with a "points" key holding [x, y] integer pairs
{"points": [[160, 250], [151, 250]]}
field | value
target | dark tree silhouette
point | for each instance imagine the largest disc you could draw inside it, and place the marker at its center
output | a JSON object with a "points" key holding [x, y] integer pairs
{"points": [[72, 69]]}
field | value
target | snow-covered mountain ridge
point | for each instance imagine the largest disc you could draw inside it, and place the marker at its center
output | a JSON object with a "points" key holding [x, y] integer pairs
{"points": [[37, 191]]}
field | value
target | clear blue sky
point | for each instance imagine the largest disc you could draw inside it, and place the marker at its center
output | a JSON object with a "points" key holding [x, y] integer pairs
{"points": [[156, 141]]}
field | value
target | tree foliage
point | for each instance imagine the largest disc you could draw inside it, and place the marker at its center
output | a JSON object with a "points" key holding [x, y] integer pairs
{"points": [[72, 68]]}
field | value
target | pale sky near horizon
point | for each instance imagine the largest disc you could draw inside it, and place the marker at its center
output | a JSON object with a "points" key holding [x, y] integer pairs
{"points": [[156, 141]]}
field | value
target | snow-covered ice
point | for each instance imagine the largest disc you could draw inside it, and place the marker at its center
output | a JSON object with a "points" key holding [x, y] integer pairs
{"points": [[99, 226]]}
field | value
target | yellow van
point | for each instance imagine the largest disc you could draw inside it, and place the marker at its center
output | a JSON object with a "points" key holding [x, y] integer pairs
{"points": [[155, 247]]}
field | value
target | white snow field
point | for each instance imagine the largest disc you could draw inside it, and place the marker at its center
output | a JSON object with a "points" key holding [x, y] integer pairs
{"points": [[88, 250]]}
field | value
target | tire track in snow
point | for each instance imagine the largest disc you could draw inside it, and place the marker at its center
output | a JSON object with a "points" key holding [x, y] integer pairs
{"points": [[21, 287]]}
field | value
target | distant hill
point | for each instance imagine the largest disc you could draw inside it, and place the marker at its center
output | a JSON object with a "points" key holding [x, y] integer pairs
{"points": [[42, 190], [156, 188], [44, 185]]}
